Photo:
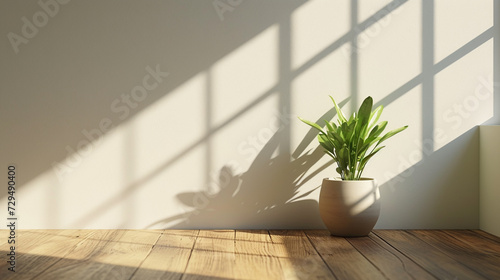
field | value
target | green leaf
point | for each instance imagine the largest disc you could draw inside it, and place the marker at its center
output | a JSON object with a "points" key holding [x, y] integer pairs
{"points": [[365, 159], [359, 147], [339, 170], [331, 154], [343, 156], [364, 113], [374, 116], [391, 133], [325, 142], [330, 126], [340, 115], [349, 131], [377, 130], [337, 140], [315, 125], [349, 142], [352, 117]]}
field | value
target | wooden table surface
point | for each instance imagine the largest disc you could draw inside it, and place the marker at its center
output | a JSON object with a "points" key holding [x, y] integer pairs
{"points": [[250, 254]]}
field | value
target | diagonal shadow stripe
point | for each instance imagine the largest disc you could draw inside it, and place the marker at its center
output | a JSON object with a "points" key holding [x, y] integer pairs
{"points": [[438, 67]]}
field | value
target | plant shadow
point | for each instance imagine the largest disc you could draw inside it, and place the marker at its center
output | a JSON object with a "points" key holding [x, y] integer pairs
{"points": [[264, 196]]}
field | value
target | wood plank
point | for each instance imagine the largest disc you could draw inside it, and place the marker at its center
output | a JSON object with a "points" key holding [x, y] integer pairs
{"points": [[108, 254], [4, 235], [297, 256], [389, 261], [254, 256], [483, 240], [410, 267], [169, 257], [38, 249], [433, 260], [483, 257], [345, 261], [486, 235], [212, 256], [255, 242]]}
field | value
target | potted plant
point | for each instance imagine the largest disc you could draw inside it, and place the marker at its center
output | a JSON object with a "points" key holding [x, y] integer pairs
{"points": [[349, 205]]}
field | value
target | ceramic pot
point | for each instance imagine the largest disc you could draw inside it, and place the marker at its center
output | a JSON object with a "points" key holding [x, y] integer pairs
{"points": [[349, 208]]}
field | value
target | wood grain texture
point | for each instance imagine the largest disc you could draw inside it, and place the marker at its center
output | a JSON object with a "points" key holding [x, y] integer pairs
{"points": [[431, 258], [391, 263], [213, 255], [345, 261], [107, 254], [486, 235], [169, 257], [481, 256], [255, 256], [38, 249], [252, 254], [298, 257]]}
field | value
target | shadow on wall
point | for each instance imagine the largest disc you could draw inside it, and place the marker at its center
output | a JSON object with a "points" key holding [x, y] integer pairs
{"points": [[266, 195], [403, 192], [95, 65]]}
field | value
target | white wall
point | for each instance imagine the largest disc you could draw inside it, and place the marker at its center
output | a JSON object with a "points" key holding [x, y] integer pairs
{"points": [[102, 137], [489, 188]]}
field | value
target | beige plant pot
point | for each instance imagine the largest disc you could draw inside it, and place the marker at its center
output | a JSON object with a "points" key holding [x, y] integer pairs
{"points": [[349, 208]]}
